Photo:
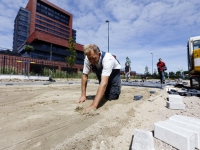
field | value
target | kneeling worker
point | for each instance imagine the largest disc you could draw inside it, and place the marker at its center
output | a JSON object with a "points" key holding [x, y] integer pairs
{"points": [[107, 69]]}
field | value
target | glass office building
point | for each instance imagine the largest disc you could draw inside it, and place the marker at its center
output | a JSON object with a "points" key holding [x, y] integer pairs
{"points": [[47, 28]]}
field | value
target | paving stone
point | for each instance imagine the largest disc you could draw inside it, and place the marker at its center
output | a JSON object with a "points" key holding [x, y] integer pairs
{"points": [[175, 105], [192, 90], [152, 92], [185, 83], [184, 89], [182, 93], [46, 84], [195, 130], [180, 85], [175, 98], [143, 140], [177, 137], [171, 89], [188, 94], [137, 97], [173, 93]]}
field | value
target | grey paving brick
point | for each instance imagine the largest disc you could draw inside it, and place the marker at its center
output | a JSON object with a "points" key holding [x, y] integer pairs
{"points": [[137, 97]]}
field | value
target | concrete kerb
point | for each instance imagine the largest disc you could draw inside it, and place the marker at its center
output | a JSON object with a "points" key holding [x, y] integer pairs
{"points": [[182, 132], [23, 77], [189, 127], [179, 138], [175, 105]]}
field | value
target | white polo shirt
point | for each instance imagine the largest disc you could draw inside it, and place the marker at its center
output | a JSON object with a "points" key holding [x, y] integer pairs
{"points": [[109, 63]]}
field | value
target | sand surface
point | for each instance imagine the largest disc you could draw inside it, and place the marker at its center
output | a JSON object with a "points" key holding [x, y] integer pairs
{"points": [[43, 117]]}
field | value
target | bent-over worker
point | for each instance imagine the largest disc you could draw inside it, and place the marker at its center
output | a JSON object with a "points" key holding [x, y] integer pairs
{"points": [[107, 69]]}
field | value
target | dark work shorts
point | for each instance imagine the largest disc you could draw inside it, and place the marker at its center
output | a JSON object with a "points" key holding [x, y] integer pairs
{"points": [[113, 90]]}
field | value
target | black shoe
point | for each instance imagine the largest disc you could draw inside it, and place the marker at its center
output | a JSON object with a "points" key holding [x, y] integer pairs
{"points": [[163, 82]]}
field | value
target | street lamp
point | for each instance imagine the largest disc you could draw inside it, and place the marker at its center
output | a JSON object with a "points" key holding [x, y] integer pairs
{"points": [[152, 64], [108, 34]]}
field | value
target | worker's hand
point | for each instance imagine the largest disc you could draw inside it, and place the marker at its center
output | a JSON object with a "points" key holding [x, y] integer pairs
{"points": [[91, 108], [81, 99]]}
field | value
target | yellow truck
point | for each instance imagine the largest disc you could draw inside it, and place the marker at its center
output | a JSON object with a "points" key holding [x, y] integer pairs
{"points": [[193, 53]]}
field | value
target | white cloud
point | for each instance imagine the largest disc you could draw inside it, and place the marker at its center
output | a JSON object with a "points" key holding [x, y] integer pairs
{"points": [[6, 41], [136, 28]]}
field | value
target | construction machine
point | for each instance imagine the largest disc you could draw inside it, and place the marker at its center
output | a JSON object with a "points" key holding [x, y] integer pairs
{"points": [[193, 53]]}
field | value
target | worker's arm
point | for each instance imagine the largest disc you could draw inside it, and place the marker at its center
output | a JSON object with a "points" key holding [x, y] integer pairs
{"points": [[100, 92], [83, 88]]}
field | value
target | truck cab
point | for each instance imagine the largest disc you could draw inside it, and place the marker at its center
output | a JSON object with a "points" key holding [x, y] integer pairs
{"points": [[193, 53]]}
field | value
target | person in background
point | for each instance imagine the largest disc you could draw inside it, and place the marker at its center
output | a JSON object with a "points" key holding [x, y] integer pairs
{"points": [[127, 71], [160, 66], [107, 69]]}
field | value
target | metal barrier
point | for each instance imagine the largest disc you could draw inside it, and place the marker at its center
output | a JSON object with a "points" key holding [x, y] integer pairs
{"points": [[20, 65]]}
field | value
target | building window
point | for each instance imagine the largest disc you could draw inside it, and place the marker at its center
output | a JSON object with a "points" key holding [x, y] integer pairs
{"points": [[51, 12], [23, 17], [21, 37], [43, 11], [41, 27], [19, 43], [23, 27], [23, 22], [23, 12], [22, 32]]}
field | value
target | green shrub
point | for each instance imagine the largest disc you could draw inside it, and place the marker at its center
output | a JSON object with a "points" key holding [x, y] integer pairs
{"points": [[8, 70]]}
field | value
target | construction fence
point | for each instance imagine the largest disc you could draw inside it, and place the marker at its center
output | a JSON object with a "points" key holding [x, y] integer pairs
{"points": [[21, 65]]}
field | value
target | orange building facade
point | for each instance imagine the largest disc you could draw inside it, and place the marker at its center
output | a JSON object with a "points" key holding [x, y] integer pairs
{"points": [[47, 28]]}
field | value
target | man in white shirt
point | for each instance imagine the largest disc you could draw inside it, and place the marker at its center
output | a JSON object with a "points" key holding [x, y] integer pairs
{"points": [[107, 69]]}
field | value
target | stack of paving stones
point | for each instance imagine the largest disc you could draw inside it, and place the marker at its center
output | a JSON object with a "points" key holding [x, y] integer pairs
{"points": [[175, 102], [142, 140], [181, 132], [185, 92]]}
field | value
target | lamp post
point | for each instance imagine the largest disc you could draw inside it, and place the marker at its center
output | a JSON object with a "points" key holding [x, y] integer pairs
{"points": [[152, 64], [108, 34]]}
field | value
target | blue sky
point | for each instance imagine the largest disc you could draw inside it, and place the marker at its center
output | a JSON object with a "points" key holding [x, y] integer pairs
{"points": [[137, 28]]}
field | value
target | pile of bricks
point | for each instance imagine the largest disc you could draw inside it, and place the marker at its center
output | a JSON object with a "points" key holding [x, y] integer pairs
{"points": [[184, 92], [181, 132], [175, 102]]}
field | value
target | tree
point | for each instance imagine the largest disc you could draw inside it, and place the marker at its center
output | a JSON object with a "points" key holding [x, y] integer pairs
{"points": [[155, 73], [71, 58], [166, 74], [171, 74], [186, 72], [146, 72], [128, 61], [178, 73], [28, 48]]}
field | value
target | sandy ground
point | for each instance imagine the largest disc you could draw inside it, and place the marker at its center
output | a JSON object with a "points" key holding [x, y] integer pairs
{"points": [[43, 117]]}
